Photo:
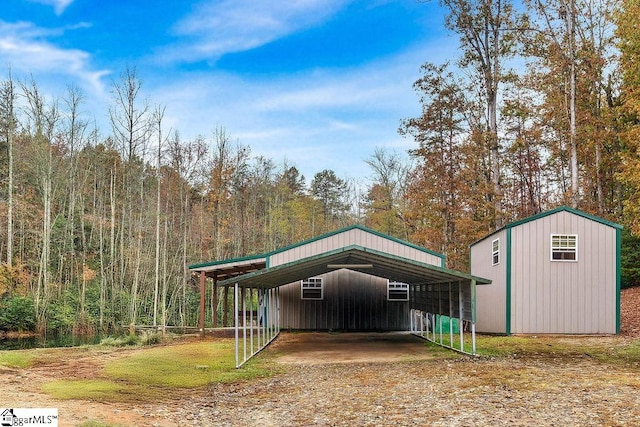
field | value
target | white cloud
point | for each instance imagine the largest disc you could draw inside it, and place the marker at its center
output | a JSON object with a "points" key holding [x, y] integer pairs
{"points": [[59, 6], [24, 48], [320, 119], [218, 27]]}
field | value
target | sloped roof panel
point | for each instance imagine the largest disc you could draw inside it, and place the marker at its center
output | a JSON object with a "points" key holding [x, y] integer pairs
{"points": [[355, 258]]}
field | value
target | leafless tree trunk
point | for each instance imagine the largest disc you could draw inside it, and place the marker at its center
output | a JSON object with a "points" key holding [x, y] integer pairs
{"points": [[158, 115], [570, 20], [7, 111]]}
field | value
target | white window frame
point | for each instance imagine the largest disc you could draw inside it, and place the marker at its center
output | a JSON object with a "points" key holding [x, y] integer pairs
{"points": [[312, 284], [495, 253], [397, 287], [560, 248]]}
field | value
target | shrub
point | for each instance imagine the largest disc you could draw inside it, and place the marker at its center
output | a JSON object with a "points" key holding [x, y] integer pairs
{"points": [[17, 314], [131, 339], [150, 338]]}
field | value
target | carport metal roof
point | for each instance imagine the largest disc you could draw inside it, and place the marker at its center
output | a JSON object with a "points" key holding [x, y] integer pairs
{"points": [[355, 258]]}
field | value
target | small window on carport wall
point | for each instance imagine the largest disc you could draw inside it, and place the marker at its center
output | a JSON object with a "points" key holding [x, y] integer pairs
{"points": [[397, 291], [312, 288]]}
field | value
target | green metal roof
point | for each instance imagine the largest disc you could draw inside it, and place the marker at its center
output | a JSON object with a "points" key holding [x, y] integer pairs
{"points": [[226, 261], [548, 213], [355, 258]]}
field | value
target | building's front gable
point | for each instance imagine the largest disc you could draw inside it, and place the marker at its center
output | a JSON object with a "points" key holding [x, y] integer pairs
{"points": [[355, 236]]}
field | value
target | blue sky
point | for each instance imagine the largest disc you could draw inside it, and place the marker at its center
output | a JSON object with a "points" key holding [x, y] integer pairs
{"points": [[320, 83]]}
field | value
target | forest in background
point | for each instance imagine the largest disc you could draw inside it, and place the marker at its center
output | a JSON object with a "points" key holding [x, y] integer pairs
{"points": [[540, 108]]}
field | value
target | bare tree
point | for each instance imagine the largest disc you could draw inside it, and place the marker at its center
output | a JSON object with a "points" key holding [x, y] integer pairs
{"points": [[131, 126], [488, 39], [43, 120], [8, 126]]}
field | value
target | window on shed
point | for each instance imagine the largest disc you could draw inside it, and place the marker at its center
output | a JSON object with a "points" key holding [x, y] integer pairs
{"points": [[312, 288], [397, 291], [564, 247], [495, 252]]}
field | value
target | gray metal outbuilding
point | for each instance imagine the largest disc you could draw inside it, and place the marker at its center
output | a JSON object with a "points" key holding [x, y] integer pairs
{"points": [[351, 279], [557, 272]]}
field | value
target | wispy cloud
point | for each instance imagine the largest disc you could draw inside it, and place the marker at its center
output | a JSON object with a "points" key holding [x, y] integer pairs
{"points": [[25, 48], [218, 27], [321, 119], [59, 6]]}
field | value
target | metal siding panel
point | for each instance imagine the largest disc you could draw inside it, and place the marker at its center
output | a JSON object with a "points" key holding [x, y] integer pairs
{"points": [[491, 299], [353, 301]]}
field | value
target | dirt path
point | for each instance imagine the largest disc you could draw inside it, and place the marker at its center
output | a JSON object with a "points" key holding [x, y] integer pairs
{"points": [[369, 380], [321, 348]]}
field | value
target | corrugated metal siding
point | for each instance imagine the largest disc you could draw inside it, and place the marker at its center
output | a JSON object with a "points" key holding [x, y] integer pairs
{"points": [[353, 237], [562, 297], [352, 301], [443, 298], [491, 300]]}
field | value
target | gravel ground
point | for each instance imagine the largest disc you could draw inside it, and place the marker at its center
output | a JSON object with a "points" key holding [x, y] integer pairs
{"points": [[485, 392]]}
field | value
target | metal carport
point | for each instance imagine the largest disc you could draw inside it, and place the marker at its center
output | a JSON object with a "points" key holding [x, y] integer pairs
{"points": [[433, 291]]}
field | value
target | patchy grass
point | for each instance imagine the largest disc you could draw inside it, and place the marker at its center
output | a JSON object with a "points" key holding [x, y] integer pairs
{"points": [[47, 356], [184, 366], [154, 373], [17, 359], [607, 350], [103, 390], [95, 389], [440, 352], [625, 355]]}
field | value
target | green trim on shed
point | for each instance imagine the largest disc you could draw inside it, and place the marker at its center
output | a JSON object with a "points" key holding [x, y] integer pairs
{"points": [[618, 267], [508, 284]]}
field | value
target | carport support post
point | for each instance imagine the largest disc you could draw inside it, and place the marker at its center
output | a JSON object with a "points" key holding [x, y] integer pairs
{"points": [[251, 320], [259, 317], [278, 309], [202, 301], [235, 319], [440, 311], [461, 308], [244, 323], [473, 338], [450, 318], [214, 303], [473, 316]]}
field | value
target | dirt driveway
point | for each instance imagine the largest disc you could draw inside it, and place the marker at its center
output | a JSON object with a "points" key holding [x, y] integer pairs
{"points": [[312, 348]]}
